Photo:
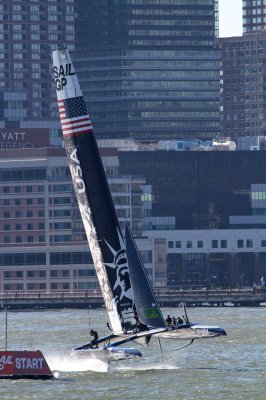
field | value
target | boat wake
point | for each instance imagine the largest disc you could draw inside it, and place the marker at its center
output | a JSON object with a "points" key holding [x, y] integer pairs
{"points": [[66, 363], [147, 367]]}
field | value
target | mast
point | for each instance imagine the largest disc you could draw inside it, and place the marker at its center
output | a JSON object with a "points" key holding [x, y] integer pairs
{"points": [[93, 196]]}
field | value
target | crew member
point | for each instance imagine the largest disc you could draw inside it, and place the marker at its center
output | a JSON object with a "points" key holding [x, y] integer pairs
{"points": [[95, 336]]}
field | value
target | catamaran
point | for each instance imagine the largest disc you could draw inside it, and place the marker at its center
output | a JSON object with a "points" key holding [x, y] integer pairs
{"points": [[130, 302]]}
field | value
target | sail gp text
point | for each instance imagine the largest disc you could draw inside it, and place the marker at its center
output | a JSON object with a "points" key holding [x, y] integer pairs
{"points": [[22, 362], [61, 74]]}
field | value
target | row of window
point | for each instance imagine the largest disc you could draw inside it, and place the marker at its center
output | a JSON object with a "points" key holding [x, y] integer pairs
{"points": [[21, 189], [20, 202], [215, 244], [36, 286], [28, 227], [57, 258], [26, 214], [51, 286], [37, 274], [28, 239]]}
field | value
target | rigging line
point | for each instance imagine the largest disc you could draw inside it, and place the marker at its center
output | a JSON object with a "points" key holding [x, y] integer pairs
{"points": [[180, 348], [161, 349]]}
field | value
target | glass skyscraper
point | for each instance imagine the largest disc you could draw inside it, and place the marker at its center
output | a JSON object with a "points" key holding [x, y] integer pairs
{"points": [[149, 69]]}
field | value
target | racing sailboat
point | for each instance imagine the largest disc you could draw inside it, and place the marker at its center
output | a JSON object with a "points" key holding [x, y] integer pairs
{"points": [[129, 320], [98, 214]]}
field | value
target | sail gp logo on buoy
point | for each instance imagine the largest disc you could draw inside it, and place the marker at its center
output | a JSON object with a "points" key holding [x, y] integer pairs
{"points": [[5, 360]]}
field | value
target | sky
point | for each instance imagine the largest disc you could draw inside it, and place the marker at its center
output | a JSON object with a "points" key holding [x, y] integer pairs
{"points": [[230, 18]]}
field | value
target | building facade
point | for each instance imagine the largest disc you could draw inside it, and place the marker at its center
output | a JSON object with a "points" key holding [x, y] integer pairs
{"points": [[198, 218], [29, 30], [149, 70], [242, 86], [254, 15], [42, 239]]}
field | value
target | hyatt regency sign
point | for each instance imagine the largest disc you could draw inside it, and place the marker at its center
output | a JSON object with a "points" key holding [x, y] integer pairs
{"points": [[28, 138]]}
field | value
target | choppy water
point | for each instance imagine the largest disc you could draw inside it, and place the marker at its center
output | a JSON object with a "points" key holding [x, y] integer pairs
{"points": [[232, 367]]}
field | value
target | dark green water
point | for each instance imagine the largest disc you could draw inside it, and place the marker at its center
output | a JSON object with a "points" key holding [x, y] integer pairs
{"points": [[232, 367]]}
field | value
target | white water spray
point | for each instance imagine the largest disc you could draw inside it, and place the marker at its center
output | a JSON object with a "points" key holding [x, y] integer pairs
{"points": [[67, 363]]}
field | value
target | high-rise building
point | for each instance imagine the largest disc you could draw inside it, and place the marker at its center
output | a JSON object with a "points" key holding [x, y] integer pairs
{"points": [[149, 69], [254, 15], [29, 30], [243, 77]]}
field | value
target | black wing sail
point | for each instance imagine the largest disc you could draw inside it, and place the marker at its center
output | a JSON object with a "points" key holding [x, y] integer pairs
{"points": [[93, 196], [148, 310]]}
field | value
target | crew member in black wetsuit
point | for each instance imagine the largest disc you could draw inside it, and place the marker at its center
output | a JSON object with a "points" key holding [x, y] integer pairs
{"points": [[95, 336]]}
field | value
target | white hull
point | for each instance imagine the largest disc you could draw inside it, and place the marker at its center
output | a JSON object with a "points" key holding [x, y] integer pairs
{"points": [[191, 331], [107, 354]]}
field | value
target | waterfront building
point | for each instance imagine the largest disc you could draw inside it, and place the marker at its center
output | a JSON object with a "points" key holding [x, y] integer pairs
{"points": [[149, 70], [201, 189], [242, 91], [198, 218], [42, 239]]}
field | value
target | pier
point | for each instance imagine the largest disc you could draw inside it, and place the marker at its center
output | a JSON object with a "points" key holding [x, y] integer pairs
{"points": [[166, 298]]}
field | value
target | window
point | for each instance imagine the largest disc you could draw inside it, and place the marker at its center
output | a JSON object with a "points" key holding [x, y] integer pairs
{"points": [[189, 244], [170, 244], [7, 274], [6, 214], [249, 243], [53, 286], [18, 227], [200, 244], [53, 273], [178, 244], [240, 243], [29, 189], [18, 239], [42, 274], [17, 189], [29, 202], [30, 239], [215, 244], [263, 243], [42, 286], [19, 274], [7, 228], [6, 202], [30, 274], [223, 244], [29, 214]]}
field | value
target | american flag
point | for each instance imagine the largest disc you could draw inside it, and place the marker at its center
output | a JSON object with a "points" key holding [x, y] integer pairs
{"points": [[74, 117]]}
